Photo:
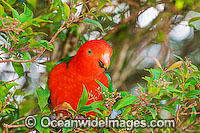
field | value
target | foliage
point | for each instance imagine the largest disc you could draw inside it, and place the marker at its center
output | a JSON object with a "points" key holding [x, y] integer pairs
{"points": [[30, 27], [177, 85], [24, 41]]}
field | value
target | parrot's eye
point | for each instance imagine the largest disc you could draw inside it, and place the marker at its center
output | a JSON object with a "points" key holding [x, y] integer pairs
{"points": [[89, 51]]}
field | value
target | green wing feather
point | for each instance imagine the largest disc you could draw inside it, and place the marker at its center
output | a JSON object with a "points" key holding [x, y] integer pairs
{"points": [[66, 59], [110, 88]]}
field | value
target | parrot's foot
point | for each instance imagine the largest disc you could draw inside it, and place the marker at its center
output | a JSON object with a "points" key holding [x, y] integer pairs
{"points": [[78, 116], [52, 117], [61, 116]]}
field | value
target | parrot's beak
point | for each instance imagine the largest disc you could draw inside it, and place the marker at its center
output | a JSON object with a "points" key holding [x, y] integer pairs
{"points": [[104, 62]]}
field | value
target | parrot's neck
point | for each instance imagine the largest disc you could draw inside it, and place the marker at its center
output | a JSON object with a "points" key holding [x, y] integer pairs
{"points": [[87, 69]]}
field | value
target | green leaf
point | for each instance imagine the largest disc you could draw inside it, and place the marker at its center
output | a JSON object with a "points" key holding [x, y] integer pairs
{"points": [[110, 2], [66, 130], [28, 30], [1, 10], [103, 88], [96, 104], [45, 44], [193, 116], [38, 21], [175, 65], [101, 4], [124, 93], [27, 15], [153, 112], [26, 57], [46, 130], [186, 85], [15, 13], [110, 89], [43, 96], [9, 110], [74, 10], [148, 118], [153, 90], [177, 71], [180, 95], [34, 43], [191, 81], [172, 111], [96, 23], [156, 73], [141, 87], [106, 130], [105, 15], [33, 3], [126, 110], [66, 11], [156, 61], [19, 92], [0, 104], [192, 93], [4, 90], [84, 98], [47, 16], [148, 79], [161, 36], [38, 125], [192, 87], [18, 68], [58, 16], [103, 107], [185, 66], [85, 109], [172, 89], [157, 96], [195, 73], [194, 97], [178, 102], [11, 2], [179, 4], [194, 19], [10, 85], [125, 101]]}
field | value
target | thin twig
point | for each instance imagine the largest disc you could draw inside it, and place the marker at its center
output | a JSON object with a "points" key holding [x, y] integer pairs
{"points": [[2, 45], [14, 126]]}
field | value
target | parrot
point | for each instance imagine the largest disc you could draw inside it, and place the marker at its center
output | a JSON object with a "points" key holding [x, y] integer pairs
{"points": [[67, 77]]}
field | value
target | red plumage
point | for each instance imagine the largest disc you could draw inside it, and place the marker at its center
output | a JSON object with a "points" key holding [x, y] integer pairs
{"points": [[66, 79]]}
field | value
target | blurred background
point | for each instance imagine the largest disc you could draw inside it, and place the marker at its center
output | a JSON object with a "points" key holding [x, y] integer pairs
{"points": [[135, 29]]}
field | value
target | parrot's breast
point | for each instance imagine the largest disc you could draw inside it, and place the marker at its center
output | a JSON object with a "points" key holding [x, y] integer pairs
{"points": [[67, 86]]}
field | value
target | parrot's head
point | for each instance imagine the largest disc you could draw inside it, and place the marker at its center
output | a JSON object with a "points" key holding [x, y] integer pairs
{"points": [[94, 56]]}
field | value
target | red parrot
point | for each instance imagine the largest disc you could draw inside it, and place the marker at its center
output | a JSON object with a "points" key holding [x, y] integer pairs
{"points": [[67, 78]]}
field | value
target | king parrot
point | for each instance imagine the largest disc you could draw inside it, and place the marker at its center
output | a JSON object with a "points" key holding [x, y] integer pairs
{"points": [[67, 78]]}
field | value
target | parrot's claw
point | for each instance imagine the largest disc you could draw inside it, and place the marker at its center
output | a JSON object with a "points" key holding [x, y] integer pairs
{"points": [[52, 117], [60, 116], [80, 116]]}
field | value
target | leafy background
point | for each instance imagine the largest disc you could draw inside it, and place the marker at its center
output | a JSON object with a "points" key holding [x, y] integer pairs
{"points": [[35, 34]]}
